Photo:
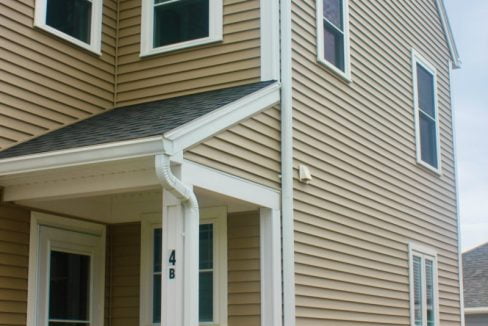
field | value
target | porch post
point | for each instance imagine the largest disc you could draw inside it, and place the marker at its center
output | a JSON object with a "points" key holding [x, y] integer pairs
{"points": [[172, 261], [270, 241]]}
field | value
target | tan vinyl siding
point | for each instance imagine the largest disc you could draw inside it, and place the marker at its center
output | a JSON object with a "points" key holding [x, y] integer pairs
{"points": [[368, 196], [124, 262], [14, 259], [231, 62], [250, 150], [244, 269], [47, 82]]}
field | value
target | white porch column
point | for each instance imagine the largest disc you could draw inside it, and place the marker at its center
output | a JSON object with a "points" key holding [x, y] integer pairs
{"points": [[270, 230], [172, 261]]}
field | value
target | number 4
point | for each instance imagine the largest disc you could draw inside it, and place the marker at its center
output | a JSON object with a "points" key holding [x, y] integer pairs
{"points": [[172, 258]]}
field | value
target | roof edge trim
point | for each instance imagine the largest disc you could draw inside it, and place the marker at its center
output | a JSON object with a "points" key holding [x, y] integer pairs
{"points": [[476, 311], [456, 60], [82, 155], [204, 127]]}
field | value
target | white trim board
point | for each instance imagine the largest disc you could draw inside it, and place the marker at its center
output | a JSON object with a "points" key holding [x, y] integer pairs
{"points": [[476, 311], [270, 40], [446, 26], [229, 185]]}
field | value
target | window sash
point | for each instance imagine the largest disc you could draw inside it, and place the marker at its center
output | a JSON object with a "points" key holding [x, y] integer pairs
{"points": [[423, 288], [426, 118]]}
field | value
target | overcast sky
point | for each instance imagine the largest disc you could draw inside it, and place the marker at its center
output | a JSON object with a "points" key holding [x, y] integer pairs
{"points": [[469, 21]]}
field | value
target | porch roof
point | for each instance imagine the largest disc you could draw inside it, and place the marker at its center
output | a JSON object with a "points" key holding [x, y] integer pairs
{"points": [[134, 122]]}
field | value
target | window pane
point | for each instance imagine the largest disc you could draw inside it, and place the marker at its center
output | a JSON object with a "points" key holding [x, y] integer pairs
{"points": [[334, 47], [157, 298], [333, 12], [54, 323], [72, 17], [425, 85], [206, 297], [206, 246], [69, 286], [429, 274], [417, 290], [428, 140], [158, 233], [179, 21]]}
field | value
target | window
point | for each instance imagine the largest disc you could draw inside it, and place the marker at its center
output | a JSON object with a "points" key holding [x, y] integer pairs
{"points": [[66, 261], [212, 268], [426, 115], [77, 21], [333, 36], [423, 286], [169, 25]]}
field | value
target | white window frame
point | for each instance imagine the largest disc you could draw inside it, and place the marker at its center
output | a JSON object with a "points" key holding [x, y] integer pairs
{"points": [[147, 29], [346, 74], [424, 252], [417, 58], [216, 216], [95, 44], [37, 302]]}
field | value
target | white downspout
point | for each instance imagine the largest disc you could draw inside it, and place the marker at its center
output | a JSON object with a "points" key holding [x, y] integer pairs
{"points": [[288, 244], [191, 217]]}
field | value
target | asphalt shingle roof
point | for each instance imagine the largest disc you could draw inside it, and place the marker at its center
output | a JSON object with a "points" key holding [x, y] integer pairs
{"points": [[475, 274], [132, 122]]}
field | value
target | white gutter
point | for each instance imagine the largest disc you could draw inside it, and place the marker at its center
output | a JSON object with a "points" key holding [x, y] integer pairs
{"points": [[81, 155], [191, 218], [288, 244]]}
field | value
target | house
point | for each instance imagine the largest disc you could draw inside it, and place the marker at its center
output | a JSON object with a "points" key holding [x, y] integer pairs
{"points": [[227, 162], [475, 276]]}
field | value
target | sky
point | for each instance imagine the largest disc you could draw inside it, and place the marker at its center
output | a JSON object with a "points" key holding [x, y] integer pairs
{"points": [[469, 21]]}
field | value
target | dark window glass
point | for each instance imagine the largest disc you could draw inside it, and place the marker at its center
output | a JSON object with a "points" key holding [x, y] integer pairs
{"points": [[333, 12], [69, 286], [180, 21], [429, 276], [206, 297], [333, 46], [206, 246], [428, 141], [425, 85], [157, 298], [158, 233], [72, 17]]}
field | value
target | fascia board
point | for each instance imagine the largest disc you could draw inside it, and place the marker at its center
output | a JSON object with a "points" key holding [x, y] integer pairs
{"points": [[210, 124], [82, 155], [456, 60]]}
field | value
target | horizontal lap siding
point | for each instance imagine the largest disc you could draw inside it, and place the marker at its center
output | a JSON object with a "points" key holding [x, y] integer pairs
{"points": [[244, 269], [368, 196], [124, 261], [229, 63], [14, 258], [47, 83], [250, 150]]}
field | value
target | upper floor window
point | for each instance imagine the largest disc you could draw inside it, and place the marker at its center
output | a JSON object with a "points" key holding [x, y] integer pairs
{"points": [[426, 115], [423, 286], [333, 36], [169, 25], [77, 21]]}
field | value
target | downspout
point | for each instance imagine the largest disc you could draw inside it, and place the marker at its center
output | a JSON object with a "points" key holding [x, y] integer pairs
{"points": [[191, 217], [288, 242]]}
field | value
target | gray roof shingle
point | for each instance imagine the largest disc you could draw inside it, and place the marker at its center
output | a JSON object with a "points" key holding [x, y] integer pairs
{"points": [[132, 122], [475, 274]]}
